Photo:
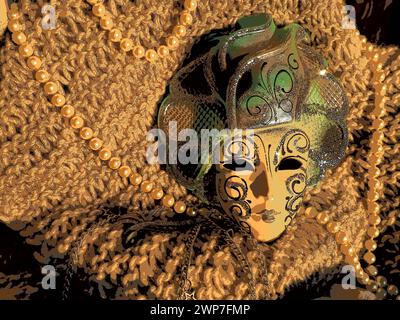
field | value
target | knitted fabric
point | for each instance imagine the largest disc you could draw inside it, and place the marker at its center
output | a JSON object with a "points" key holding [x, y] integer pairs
{"points": [[52, 185]]}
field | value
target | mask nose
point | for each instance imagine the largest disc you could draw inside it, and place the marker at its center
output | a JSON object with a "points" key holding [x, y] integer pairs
{"points": [[261, 189], [260, 186]]}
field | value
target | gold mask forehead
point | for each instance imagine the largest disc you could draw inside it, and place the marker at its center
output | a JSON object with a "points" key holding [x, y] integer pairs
{"points": [[282, 140]]}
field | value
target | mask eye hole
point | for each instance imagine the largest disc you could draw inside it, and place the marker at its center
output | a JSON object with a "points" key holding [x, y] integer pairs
{"points": [[289, 164]]}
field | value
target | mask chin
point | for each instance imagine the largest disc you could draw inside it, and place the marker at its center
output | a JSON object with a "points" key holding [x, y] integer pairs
{"points": [[268, 234]]}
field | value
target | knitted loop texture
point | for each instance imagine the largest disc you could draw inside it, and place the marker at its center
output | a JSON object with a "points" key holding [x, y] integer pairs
{"points": [[52, 184]]}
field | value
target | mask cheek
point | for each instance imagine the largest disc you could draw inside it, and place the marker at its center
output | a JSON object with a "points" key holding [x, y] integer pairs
{"points": [[232, 192]]}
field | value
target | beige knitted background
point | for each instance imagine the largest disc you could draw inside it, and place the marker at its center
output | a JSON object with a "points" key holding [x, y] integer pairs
{"points": [[50, 181]]}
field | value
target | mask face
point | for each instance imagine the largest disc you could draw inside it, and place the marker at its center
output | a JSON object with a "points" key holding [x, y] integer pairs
{"points": [[261, 179]]}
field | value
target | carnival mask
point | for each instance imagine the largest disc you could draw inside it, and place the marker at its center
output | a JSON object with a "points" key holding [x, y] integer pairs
{"points": [[261, 179], [268, 83]]}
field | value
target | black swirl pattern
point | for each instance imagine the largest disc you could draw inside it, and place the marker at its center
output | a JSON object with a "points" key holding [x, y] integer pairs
{"points": [[235, 190], [294, 139], [292, 62], [295, 185], [276, 83]]}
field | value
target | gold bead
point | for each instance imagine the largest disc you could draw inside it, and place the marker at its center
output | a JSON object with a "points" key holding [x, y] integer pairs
{"points": [[347, 249], [322, 218], [186, 18], [168, 200], [146, 186], [369, 257], [381, 293], [372, 287], [365, 279], [360, 273], [372, 270], [13, 15], [190, 5], [373, 232], [34, 63], [126, 44], [50, 88], [393, 290], [115, 35], [135, 179], [357, 265], [310, 212], [382, 78], [67, 111], [105, 154], [25, 50], [352, 259], [191, 212], [76, 122], [86, 133], [106, 23], [332, 227], [139, 52], [99, 10], [19, 37], [95, 144], [180, 207], [14, 26], [341, 237], [42, 76], [370, 245], [157, 194], [58, 100], [114, 163], [163, 51], [370, 48], [379, 66], [381, 281], [172, 42], [124, 171], [151, 55], [374, 219], [179, 31]]}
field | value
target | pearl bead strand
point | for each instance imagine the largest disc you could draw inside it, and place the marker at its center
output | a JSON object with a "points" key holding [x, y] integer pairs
{"points": [[151, 55], [51, 89]]}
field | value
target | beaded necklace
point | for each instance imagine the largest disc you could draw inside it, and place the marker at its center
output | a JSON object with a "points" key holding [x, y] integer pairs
{"points": [[377, 283], [51, 89]]}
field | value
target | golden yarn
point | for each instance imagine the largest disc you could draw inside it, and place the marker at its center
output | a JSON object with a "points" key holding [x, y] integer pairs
{"points": [[126, 45], [91, 189], [375, 191]]}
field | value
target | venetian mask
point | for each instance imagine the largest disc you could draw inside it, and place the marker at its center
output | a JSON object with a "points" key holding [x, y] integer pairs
{"points": [[271, 85], [261, 179]]}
